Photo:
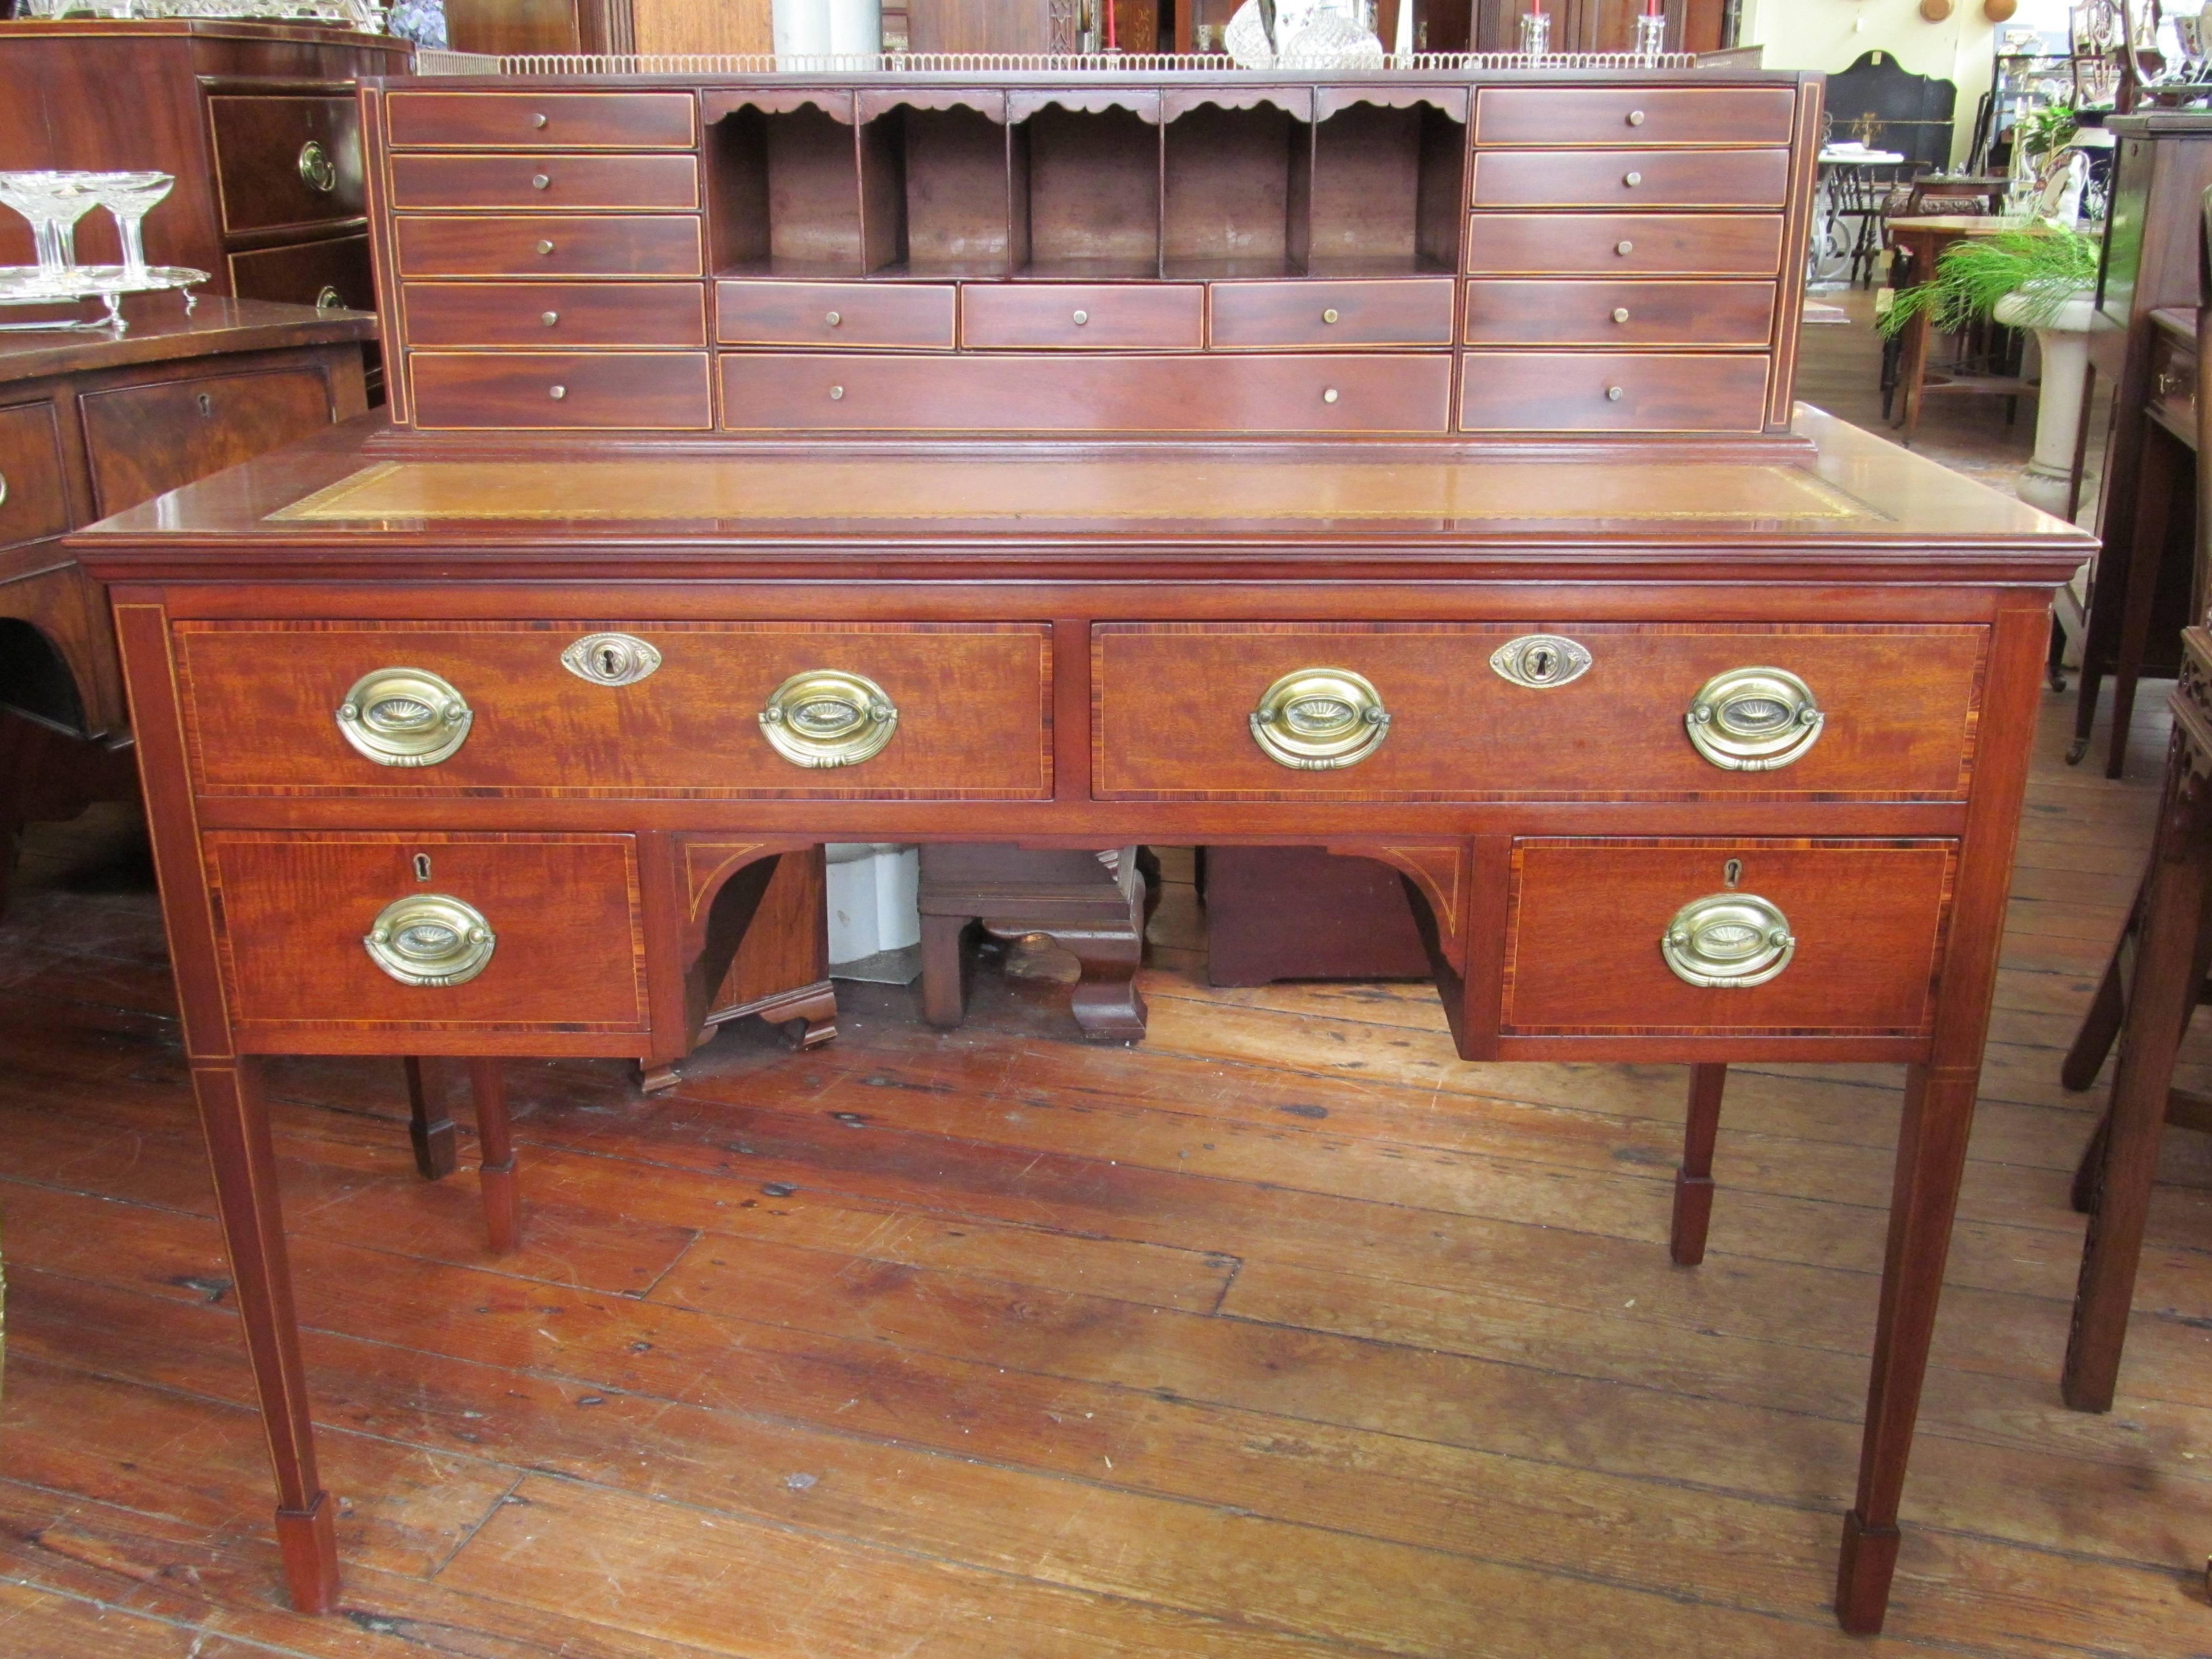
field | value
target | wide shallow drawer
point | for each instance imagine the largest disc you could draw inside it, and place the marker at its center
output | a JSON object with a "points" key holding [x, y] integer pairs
{"points": [[540, 182], [333, 272], [1087, 316], [1626, 244], [1897, 708], [878, 314], [1536, 178], [33, 500], [557, 390], [295, 913], [143, 440], [541, 120], [611, 246], [280, 160], [1401, 311], [972, 702], [1074, 393], [1551, 116], [1864, 923], [1501, 312], [555, 314], [1612, 391]]}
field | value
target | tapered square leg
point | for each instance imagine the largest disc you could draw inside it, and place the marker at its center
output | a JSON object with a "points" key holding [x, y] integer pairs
{"points": [[1862, 1575], [1693, 1180], [307, 1540], [502, 1195], [429, 1127]]}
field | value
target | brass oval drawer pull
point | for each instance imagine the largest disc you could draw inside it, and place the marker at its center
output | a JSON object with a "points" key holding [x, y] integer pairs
{"points": [[404, 717], [611, 658], [1320, 720], [430, 939], [1754, 720], [317, 171], [1540, 660], [826, 717], [329, 299], [1727, 941]]}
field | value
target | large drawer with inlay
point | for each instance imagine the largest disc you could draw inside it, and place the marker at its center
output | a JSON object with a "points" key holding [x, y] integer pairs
{"points": [[542, 120], [1409, 711], [1622, 937], [943, 710], [551, 244], [366, 932], [543, 183]]}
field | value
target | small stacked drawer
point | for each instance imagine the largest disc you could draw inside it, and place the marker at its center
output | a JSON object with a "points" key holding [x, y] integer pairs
{"points": [[1625, 259], [551, 259]]}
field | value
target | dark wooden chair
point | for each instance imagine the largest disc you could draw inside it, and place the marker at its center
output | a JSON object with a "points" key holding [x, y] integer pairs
{"points": [[2152, 985]]}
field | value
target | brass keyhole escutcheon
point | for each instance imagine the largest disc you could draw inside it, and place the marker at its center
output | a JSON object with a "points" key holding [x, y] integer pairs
{"points": [[404, 717], [1541, 660], [422, 866], [205, 401], [1732, 872], [430, 939], [1320, 720], [827, 717], [1754, 720], [1728, 941], [611, 658]]}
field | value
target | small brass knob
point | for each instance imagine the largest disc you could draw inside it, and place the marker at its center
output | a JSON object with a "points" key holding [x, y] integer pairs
{"points": [[1728, 941], [1620, 313], [836, 394], [1623, 247], [1329, 316], [1633, 179], [1613, 394], [1081, 318], [537, 120], [329, 299], [556, 392], [539, 181], [3, 489], [1328, 396], [1635, 117], [833, 319], [545, 247], [827, 717], [548, 317], [404, 717], [317, 171], [432, 939], [1320, 720], [1753, 719]]}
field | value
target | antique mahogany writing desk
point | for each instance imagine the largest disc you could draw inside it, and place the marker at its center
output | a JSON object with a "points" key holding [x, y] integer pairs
{"points": [[1404, 466]]}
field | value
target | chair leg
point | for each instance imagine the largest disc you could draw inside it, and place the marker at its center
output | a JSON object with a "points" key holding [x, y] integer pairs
{"points": [[1693, 1180], [2102, 1023], [502, 1196], [2089, 1172], [427, 1126]]}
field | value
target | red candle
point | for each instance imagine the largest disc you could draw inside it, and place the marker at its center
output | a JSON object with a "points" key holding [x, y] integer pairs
{"points": [[1654, 7]]}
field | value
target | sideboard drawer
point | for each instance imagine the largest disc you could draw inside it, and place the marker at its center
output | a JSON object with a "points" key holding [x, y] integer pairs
{"points": [[1624, 244], [34, 496], [541, 314], [1896, 707], [612, 244], [865, 314], [1084, 316], [281, 161], [1384, 312], [1612, 391], [1550, 116], [563, 391], [972, 703], [1629, 178], [1501, 311], [1077, 391], [295, 913], [1851, 932], [330, 271], [542, 182], [541, 120]]}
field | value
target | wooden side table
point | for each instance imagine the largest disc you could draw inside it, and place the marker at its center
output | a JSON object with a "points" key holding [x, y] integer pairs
{"points": [[1923, 240]]}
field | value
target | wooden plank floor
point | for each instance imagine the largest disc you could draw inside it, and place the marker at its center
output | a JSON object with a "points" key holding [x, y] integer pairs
{"points": [[1287, 1334]]}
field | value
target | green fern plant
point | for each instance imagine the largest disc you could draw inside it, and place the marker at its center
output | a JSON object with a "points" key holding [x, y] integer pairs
{"points": [[2047, 267]]}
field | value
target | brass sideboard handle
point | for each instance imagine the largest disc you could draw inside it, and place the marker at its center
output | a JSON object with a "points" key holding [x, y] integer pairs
{"points": [[1727, 941], [1632, 180], [430, 939], [540, 181], [1620, 313], [1754, 720], [317, 171], [548, 317], [826, 717], [1319, 719], [611, 658], [1541, 660], [1623, 247], [1329, 315], [404, 717], [330, 299]]}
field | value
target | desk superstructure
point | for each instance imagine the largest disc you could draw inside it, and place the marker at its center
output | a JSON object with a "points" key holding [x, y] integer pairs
{"points": [[1407, 467]]}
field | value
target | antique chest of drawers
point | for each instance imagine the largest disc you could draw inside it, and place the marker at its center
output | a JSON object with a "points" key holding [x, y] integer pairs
{"points": [[1405, 467]]}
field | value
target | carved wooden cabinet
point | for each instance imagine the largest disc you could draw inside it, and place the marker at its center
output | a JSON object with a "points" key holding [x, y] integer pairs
{"points": [[1405, 466]]}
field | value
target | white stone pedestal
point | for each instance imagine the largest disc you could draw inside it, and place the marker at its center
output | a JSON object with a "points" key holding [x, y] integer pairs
{"points": [[2064, 343]]}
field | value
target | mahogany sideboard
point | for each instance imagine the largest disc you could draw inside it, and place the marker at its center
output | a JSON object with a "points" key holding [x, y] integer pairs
{"points": [[1404, 465]]}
